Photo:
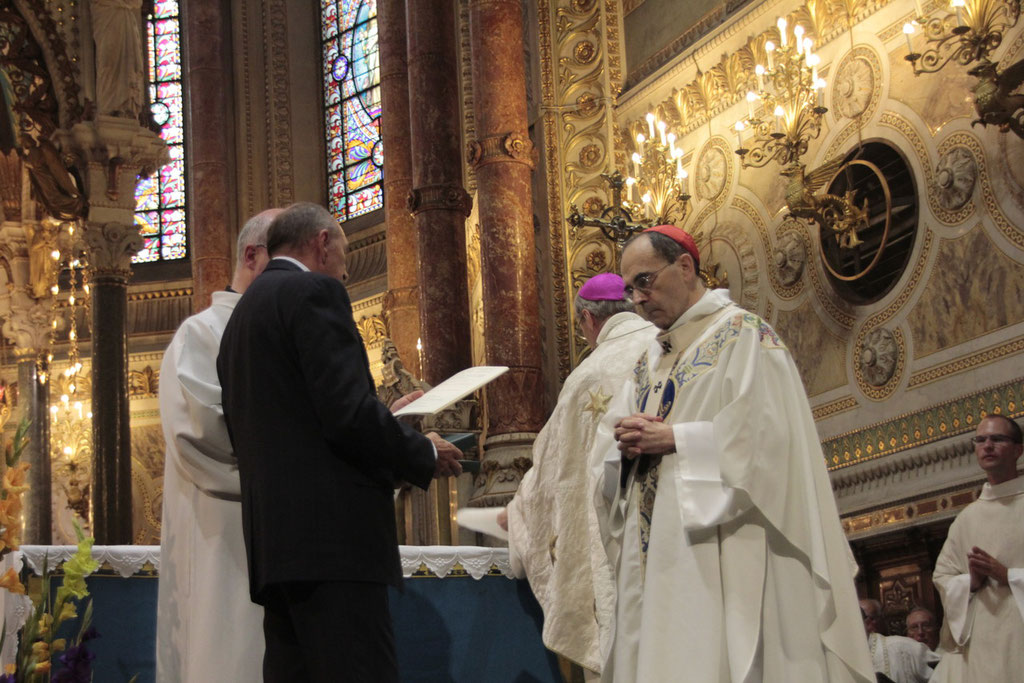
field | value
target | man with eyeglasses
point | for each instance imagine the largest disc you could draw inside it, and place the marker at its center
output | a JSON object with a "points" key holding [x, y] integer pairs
{"points": [[207, 627], [980, 571], [731, 562]]}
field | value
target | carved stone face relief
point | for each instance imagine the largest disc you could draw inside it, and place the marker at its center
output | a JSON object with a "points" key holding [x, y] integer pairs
{"points": [[712, 168], [955, 176], [790, 257], [878, 357], [854, 83]]}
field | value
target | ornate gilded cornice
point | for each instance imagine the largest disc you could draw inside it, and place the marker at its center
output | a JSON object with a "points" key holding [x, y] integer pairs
{"points": [[935, 507], [968, 362], [832, 408], [957, 416]]}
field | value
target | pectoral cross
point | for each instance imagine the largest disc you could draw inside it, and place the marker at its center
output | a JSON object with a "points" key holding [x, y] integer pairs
{"points": [[666, 346]]}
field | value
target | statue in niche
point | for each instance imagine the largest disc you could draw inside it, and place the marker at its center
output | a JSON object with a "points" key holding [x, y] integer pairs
{"points": [[878, 357], [117, 33], [53, 185], [42, 268]]}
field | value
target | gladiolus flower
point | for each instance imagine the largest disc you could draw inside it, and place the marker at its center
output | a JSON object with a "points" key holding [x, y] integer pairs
{"points": [[10, 581]]}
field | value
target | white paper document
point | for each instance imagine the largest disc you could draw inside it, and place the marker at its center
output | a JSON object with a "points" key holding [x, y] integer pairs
{"points": [[459, 385], [484, 520]]}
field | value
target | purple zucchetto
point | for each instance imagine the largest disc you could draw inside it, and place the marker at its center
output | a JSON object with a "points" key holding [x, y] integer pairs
{"points": [[604, 287]]}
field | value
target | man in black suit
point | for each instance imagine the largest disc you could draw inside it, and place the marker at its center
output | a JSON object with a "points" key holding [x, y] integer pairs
{"points": [[318, 457]]}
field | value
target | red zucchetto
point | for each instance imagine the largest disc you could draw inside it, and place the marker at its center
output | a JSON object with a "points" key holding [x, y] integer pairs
{"points": [[681, 237]]}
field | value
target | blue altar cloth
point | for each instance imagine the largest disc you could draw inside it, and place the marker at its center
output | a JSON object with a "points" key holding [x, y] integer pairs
{"points": [[455, 629]]}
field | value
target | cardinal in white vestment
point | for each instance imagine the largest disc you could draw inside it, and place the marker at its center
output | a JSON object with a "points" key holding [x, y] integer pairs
{"points": [[980, 571], [731, 565], [208, 629], [554, 534]]}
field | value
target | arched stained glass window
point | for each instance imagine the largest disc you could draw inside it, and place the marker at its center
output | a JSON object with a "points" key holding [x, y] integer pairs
{"points": [[355, 157], [160, 199]]}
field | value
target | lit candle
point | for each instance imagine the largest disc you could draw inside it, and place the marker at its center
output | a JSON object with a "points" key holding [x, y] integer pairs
{"points": [[631, 188], [636, 164], [769, 48], [739, 134], [650, 126], [779, 113], [750, 103], [820, 83], [908, 30], [807, 48], [419, 352], [759, 70], [640, 140], [672, 144], [661, 133], [920, 10], [683, 175], [782, 31], [813, 61], [957, 4], [798, 31], [680, 173]]}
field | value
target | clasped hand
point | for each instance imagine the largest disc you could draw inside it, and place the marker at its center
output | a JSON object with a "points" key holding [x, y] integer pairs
{"points": [[981, 566], [644, 434]]}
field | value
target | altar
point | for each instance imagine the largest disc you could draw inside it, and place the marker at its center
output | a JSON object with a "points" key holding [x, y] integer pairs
{"points": [[460, 618]]}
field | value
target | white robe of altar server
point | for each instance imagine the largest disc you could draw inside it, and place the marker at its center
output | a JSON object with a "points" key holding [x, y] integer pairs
{"points": [[554, 535], [902, 659], [208, 629], [735, 567], [983, 632]]}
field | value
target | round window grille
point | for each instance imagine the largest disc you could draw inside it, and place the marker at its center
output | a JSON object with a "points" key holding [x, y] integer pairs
{"points": [[880, 177]]}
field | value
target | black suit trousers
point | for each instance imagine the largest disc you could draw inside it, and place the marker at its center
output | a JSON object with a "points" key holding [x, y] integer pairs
{"points": [[328, 632]]}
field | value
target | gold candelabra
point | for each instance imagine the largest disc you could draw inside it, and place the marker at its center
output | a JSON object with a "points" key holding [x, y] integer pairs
{"points": [[969, 34], [658, 187], [784, 114]]}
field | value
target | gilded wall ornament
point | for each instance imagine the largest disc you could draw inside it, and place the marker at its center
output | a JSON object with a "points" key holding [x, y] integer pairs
{"points": [[593, 207], [955, 176], [712, 171], [790, 257], [879, 354], [586, 104], [585, 52], [590, 156], [597, 260], [855, 82]]}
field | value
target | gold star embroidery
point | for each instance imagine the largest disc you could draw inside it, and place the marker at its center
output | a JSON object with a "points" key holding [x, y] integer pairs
{"points": [[598, 403]]}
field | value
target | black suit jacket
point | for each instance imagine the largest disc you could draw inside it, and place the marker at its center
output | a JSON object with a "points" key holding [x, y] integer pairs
{"points": [[318, 454]]}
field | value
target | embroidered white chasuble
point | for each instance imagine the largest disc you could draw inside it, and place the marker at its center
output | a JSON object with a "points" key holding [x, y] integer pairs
{"points": [[983, 632], [731, 563], [554, 535]]}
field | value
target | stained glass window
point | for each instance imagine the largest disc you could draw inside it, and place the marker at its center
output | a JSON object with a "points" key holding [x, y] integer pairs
{"points": [[160, 199], [351, 68]]}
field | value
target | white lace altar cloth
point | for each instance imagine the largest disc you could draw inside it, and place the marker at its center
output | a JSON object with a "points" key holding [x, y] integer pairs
{"points": [[439, 560]]}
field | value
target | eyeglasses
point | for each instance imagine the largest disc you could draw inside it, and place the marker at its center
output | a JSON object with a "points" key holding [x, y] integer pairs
{"points": [[643, 282], [997, 439]]}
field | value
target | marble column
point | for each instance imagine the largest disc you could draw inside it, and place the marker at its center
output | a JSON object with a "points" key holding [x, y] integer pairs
{"points": [[503, 157], [113, 153], [438, 201], [207, 64], [401, 302], [34, 401]]}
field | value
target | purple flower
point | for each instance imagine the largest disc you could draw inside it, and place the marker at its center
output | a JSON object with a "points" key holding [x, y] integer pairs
{"points": [[7, 678], [77, 665]]}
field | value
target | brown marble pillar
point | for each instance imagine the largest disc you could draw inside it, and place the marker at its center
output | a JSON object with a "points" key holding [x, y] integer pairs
{"points": [[502, 157], [207, 64], [401, 302], [438, 201], [34, 401]]}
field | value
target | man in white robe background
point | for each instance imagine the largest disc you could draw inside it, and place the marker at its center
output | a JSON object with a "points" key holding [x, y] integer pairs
{"points": [[554, 534], [731, 562], [208, 629], [980, 572]]}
